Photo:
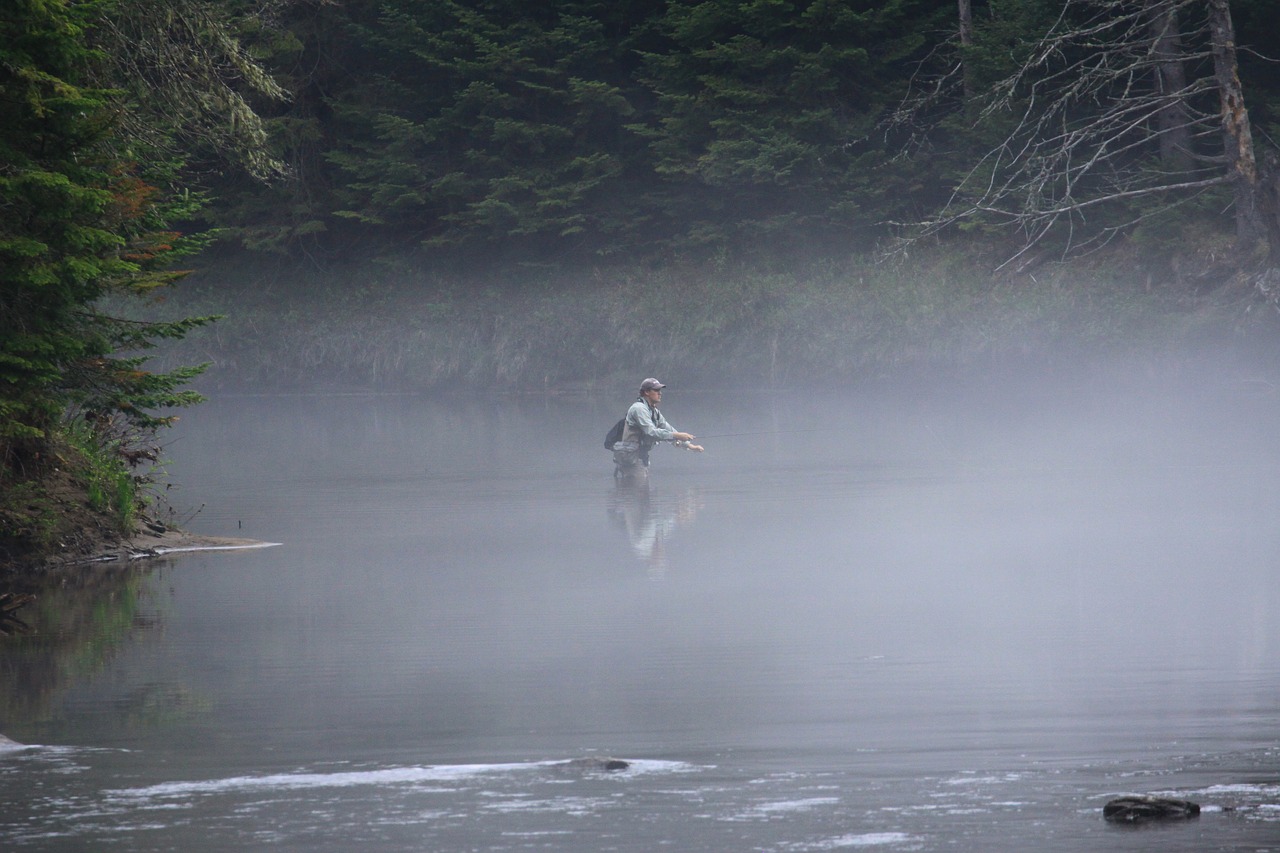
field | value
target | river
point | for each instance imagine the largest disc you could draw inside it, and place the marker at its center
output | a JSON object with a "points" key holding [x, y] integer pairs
{"points": [[954, 619]]}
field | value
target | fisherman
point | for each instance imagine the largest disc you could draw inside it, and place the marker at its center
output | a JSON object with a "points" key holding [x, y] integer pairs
{"points": [[643, 427]]}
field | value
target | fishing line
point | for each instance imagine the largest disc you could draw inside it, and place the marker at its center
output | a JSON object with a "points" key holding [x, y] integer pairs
{"points": [[766, 432]]}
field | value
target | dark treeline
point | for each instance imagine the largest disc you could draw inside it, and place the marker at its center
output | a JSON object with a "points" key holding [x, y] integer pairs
{"points": [[588, 130], [727, 172]]}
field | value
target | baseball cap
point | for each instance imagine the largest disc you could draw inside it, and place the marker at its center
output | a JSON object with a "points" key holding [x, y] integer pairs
{"points": [[651, 384]]}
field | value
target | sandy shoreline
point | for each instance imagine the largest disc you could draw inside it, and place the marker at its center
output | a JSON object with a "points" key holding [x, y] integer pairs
{"points": [[148, 544], [151, 542]]}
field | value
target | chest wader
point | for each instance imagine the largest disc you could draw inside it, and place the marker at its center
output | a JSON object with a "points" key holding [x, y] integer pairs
{"points": [[631, 452]]}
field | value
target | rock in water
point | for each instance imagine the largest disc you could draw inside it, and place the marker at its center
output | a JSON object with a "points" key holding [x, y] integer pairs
{"points": [[595, 764], [7, 745], [1140, 809]]}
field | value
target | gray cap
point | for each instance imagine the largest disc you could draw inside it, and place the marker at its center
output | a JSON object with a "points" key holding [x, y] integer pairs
{"points": [[651, 384]]}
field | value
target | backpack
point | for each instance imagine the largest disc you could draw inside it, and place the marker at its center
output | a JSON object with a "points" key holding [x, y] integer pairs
{"points": [[614, 435]]}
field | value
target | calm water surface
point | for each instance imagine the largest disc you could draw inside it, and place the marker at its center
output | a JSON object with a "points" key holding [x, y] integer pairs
{"points": [[909, 621]]}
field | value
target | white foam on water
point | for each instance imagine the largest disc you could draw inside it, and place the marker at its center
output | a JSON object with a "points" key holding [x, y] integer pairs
{"points": [[425, 774], [575, 806], [133, 827], [982, 780], [796, 805], [653, 765], [866, 839], [296, 781], [871, 839], [764, 811], [415, 819], [1242, 788], [547, 833], [32, 748]]}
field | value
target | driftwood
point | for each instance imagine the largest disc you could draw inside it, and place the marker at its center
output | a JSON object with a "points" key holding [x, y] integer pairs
{"points": [[1141, 809]]}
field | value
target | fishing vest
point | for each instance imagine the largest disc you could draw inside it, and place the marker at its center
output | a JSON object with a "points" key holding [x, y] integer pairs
{"points": [[631, 432], [634, 446]]}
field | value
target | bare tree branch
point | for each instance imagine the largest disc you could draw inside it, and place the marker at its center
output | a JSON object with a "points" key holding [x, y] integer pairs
{"points": [[1117, 101]]}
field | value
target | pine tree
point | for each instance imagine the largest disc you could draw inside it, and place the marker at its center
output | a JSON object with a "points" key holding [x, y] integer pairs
{"points": [[83, 219], [765, 106], [491, 120]]}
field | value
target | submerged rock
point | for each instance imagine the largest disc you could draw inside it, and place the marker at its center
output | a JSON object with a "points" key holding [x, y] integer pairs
{"points": [[595, 764], [1140, 809]]}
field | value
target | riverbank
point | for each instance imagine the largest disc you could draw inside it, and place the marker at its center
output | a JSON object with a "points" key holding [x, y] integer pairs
{"points": [[94, 545], [61, 516], [139, 547], [149, 543]]}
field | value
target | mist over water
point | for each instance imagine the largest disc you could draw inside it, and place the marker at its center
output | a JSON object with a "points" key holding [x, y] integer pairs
{"points": [[923, 618]]}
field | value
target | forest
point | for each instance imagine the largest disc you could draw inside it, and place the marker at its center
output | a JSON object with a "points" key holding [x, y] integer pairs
{"points": [[481, 194]]}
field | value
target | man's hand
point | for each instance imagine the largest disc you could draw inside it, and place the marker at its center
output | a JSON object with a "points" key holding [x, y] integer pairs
{"points": [[696, 448], [683, 436]]}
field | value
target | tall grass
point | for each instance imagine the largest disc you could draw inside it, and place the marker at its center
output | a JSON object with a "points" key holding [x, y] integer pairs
{"points": [[79, 494], [411, 328], [109, 483]]}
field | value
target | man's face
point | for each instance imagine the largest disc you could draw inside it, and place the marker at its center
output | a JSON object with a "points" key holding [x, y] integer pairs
{"points": [[654, 396]]}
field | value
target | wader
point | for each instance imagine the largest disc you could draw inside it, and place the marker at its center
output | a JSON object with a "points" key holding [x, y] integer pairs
{"points": [[631, 453]]}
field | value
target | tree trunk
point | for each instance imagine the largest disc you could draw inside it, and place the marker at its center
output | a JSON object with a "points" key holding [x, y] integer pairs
{"points": [[1257, 225], [1173, 124], [966, 42]]}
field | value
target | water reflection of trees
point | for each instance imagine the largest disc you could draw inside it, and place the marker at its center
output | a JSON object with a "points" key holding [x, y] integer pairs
{"points": [[10, 603], [650, 517], [71, 628]]}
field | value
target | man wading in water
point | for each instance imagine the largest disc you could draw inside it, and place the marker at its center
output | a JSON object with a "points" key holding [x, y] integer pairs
{"points": [[643, 427]]}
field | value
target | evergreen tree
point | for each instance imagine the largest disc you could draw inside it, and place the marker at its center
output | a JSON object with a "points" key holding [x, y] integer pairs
{"points": [[77, 224], [765, 107], [484, 120], [87, 197], [592, 127], [310, 50]]}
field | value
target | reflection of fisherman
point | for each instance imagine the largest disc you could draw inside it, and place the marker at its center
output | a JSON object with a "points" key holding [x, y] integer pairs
{"points": [[650, 521], [644, 427]]}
